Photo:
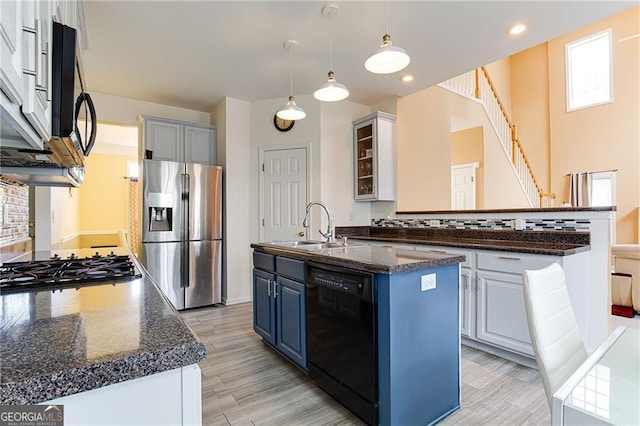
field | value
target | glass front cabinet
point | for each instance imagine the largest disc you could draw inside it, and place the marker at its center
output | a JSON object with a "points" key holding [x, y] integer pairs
{"points": [[375, 157]]}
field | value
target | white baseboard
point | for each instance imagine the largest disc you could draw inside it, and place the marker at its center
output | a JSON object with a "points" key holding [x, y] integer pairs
{"points": [[236, 301]]}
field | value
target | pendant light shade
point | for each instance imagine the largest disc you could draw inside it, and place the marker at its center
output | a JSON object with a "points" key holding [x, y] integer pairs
{"points": [[291, 111], [331, 91], [387, 58]]}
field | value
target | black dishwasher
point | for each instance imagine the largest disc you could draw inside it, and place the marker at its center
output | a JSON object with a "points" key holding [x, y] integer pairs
{"points": [[342, 337]]}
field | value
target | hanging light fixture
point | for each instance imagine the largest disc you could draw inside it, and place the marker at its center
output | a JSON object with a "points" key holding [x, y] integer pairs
{"points": [[388, 58], [331, 91], [291, 111]]}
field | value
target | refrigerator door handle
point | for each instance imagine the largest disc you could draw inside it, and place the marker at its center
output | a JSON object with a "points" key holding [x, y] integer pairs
{"points": [[185, 230], [184, 260], [185, 206]]}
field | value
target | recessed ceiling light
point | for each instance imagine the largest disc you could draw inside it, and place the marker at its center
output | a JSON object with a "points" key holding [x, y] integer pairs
{"points": [[407, 78], [517, 29]]}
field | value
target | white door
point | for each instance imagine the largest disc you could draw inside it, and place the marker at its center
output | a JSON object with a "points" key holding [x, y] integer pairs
{"points": [[284, 191], [463, 186]]}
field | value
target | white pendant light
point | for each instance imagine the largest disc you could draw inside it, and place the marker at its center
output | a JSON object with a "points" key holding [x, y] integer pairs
{"points": [[331, 91], [388, 58], [291, 111]]}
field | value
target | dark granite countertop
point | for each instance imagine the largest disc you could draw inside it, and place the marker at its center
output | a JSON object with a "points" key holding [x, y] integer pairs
{"points": [[63, 342], [385, 260], [520, 210], [535, 242]]}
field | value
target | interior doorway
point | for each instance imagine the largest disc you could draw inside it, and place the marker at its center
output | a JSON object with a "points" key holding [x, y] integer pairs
{"points": [[463, 186], [283, 192]]}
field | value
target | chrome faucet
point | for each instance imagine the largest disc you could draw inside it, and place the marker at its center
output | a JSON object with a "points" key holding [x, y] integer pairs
{"points": [[329, 235]]}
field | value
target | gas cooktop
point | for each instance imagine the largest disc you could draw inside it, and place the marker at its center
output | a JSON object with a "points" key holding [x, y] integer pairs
{"points": [[68, 271]]}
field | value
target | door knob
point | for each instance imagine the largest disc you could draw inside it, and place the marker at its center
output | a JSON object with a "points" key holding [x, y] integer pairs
{"points": [[301, 234]]}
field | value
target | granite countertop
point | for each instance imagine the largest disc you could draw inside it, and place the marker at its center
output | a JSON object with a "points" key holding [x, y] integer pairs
{"points": [[385, 260], [514, 210], [534, 242], [66, 341]]}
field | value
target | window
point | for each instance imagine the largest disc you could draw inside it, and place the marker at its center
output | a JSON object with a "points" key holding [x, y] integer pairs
{"points": [[603, 189], [589, 71]]}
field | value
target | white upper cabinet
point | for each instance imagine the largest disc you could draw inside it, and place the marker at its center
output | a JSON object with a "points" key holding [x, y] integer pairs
{"points": [[375, 157], [11, 52], [200, 144], [173, 140], [37, 24]]}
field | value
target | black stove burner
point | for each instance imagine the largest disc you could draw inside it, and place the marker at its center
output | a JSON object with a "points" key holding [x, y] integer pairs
{"points": [[72, 270]]}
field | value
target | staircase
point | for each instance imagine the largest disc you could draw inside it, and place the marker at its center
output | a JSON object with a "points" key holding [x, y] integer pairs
{"points": [[477, 85]]}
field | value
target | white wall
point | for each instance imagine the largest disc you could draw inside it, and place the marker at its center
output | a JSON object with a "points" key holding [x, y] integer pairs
{"points": [[119, 110], [337, 180], [233, 149], [305, 133], [64, 214]]}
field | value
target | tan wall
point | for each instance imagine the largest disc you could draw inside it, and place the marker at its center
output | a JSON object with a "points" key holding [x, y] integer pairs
{"points": [[467, 146], [500, 73], [424, 153], [530, 108], [605, 136], [104, 195]]}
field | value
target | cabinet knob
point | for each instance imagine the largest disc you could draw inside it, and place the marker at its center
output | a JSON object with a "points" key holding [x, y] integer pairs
{"points": [[301, 234]]}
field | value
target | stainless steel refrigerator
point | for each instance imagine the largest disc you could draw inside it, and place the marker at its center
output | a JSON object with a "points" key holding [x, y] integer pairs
{"points": [[182, 230]]}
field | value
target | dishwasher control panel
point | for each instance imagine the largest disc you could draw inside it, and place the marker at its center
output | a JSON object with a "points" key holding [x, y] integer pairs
{"points": [[344, 280]]}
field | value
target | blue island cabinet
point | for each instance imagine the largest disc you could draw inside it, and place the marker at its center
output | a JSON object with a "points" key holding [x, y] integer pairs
{"points": [[279, 305], [418, 345]]}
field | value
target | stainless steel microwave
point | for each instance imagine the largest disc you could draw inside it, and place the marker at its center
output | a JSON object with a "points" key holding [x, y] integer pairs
{"points": [[73, 123]]}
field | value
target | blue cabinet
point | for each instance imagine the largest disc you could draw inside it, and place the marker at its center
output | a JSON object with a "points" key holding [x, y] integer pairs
{"points": [[291, 331], [279, 305], [264, 305]]}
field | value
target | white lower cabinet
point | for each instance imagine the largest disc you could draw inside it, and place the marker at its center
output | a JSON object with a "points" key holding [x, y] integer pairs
{"points": [[467, 303], [492, 301], [172, 397], [500, 313]]}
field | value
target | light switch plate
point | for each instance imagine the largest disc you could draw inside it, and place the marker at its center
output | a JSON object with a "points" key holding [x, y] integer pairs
{"points": [[427, 282]]}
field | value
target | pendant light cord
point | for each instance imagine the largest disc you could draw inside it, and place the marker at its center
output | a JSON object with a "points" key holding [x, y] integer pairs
{"points": [[386, 30], [290, 70], [331, 43]]}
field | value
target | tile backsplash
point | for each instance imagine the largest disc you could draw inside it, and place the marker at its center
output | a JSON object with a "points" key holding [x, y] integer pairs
{"points": [[14, 210], [508, 224]]}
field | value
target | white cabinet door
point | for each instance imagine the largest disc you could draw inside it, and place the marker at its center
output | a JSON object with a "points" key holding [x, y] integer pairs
{"points": [[36, 60], [467, 303], [165, 140], [501, 317], [11, 50], [200, 145]]}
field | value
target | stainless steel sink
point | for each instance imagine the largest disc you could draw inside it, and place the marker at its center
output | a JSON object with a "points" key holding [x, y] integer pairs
{"points": [[295, 243], [313, 245]]}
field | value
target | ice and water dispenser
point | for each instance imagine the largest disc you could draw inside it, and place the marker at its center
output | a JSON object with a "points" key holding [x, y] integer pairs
{"points": [[160, 211]]}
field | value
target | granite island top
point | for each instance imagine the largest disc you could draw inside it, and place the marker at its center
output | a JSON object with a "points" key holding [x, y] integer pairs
{"points": [[535, 242], [385, 260], [55, 343]]}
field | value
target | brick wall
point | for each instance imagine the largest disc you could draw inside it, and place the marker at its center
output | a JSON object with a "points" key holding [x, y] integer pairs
{"points": [[14, 211]]}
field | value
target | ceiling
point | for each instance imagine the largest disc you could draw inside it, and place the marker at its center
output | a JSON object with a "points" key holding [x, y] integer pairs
{"points": [[192, 54]]}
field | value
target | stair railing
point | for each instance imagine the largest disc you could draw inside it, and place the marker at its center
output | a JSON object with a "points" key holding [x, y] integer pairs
{"points": [[471, 85]]}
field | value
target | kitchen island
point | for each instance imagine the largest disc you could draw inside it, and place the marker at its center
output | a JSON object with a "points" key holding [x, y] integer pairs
{"points": [[94, 345], [376, 327]]}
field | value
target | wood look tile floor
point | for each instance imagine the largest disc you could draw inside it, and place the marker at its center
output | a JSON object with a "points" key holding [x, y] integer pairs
{"points": [[245, 382]]}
